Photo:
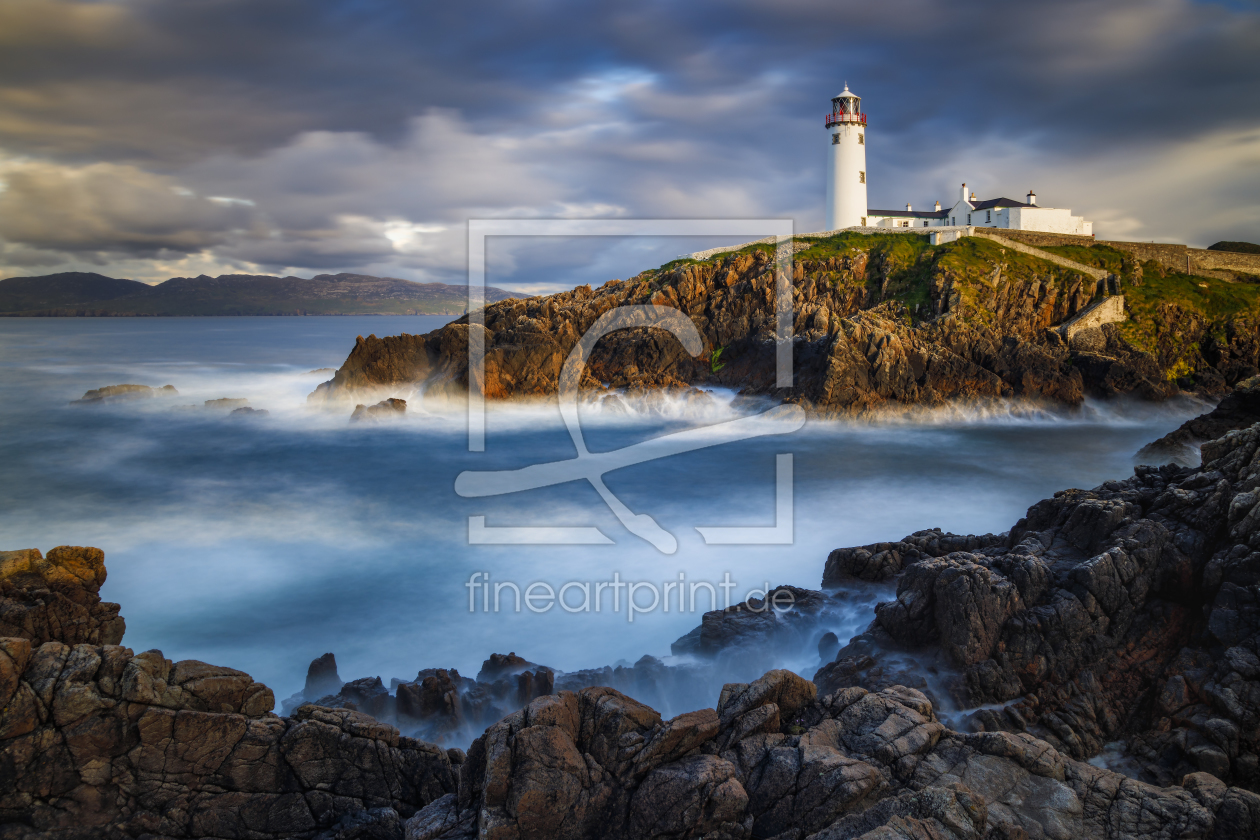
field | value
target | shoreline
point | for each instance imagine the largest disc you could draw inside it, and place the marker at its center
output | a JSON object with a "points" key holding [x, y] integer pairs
{"points": [[887, 690]]}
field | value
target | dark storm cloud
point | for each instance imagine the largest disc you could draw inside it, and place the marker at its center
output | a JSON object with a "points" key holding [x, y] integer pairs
{"points": [[346, 121]]}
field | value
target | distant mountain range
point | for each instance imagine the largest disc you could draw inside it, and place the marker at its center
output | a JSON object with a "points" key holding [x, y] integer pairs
{"points": [[88, 294]]}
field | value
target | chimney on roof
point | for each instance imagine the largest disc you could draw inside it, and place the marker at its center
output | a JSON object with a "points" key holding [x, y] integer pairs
{"points": [[973, 197], [963, 195], [1032, 197], [938, 207], [907, 208]]}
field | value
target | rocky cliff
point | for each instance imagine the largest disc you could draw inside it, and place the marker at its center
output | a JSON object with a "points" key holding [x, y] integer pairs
{"points": [[879, 320], [1124, 618], [99, 742]]}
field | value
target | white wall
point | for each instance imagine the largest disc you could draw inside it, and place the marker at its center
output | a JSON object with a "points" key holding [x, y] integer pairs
{"points": [[1049, 220], [846, 167], [958, 214]]}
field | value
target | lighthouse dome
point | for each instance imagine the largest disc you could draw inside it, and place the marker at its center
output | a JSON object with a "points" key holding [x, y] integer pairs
{"points": [[846, 94]]}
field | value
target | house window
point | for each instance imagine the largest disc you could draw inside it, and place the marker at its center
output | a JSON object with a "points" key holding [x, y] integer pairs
{"points": [[968, 218], [861, 177], [988, 215], [861, 139], [925, 224], [905, 224], [835, 139], [952, 220]]}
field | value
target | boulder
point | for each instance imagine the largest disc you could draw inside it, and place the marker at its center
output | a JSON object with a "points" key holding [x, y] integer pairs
{"points": [[383, 410], [123, 393], [57, 597]]}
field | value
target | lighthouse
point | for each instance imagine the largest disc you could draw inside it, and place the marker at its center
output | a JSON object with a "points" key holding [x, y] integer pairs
{"points": [[846, 162]]}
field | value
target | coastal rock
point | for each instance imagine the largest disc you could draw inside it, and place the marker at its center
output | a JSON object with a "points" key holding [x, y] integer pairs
{"points": [[105, 742], [98, 741], [500, 664], [983, 332], [785, 611], [1237, 410], [384, 409], [322, 677], [1095, 601], [858, 765], [883, 561], [122, 393], [246, 411], [57, 597], [226, 403]]}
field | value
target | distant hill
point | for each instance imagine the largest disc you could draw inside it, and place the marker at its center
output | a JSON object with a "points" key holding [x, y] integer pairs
{"points": [[1236, 247], [81, 293]]}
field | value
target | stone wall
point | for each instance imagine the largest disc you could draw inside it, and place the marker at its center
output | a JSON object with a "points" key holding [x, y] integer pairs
{"points": [[1170, 255], [1041, 239], [1224, 260], [1109, 310], [1092, 271]]}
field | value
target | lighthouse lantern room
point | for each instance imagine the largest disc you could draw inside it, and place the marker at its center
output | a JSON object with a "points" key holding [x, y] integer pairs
{"points": [[846, 162]]}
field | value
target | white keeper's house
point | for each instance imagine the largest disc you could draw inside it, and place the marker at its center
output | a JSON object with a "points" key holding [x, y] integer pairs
{"points": [[846, 190]]}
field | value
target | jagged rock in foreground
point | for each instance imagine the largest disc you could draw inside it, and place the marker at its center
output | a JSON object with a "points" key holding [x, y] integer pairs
{"points": [[99, 742], [1237, 410], [1129, 613], [880, 322], [739, 642], [57, 598], [774, 760]]}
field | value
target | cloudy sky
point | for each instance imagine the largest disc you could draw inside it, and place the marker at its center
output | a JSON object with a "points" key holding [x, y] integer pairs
{"points": [[155, 138]]}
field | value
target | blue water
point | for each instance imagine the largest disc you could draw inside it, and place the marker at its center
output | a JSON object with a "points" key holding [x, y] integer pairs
{"points": [[262, 543]]}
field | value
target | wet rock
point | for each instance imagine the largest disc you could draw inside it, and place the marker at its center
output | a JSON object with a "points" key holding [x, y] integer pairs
{"points": [[784, 612], [246, 411], [383, 410], [1238, 410], [1130, 613], [322, 677], [828, 646], [123, 393], [503, 664], [884, 561]]}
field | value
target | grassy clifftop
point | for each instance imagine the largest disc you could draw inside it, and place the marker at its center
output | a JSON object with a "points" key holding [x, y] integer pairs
{"points": [[1187, 322], [973, 280]]}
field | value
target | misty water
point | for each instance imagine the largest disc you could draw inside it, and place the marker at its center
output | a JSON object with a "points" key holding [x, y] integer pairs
{"points": [[261, 543]]}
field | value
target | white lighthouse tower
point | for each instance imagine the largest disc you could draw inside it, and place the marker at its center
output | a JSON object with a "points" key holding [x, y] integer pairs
{"points": [[846, 162]]}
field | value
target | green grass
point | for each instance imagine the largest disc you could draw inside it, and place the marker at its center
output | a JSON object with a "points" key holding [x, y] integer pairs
{"points": [[1101, 256], [1156, 327], [678, 263], [903, 246], [1216, 300]]}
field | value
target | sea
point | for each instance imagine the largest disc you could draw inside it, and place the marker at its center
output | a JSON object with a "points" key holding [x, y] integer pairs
{"points": [[260, 542]]}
